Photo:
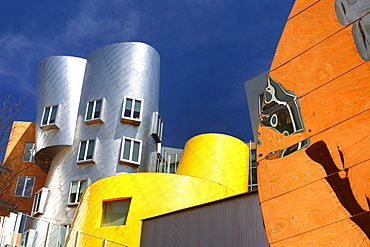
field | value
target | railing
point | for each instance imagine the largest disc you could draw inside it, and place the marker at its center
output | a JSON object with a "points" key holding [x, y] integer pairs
{"points": [[25, 231], [168, 163]]}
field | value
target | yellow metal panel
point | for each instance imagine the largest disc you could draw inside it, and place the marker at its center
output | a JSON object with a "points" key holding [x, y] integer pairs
{"points": [[152, 194], [221, 158]]}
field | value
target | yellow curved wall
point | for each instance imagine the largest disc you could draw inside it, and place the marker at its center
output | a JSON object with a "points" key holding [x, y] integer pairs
{"points": [[221, 158], [152, 194], [213, 167]]}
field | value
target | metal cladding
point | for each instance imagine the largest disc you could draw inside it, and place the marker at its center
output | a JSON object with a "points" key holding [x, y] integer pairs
{"points": [[59, 84], [214, 166], [220, 158], [67, 87], [314, 182]]}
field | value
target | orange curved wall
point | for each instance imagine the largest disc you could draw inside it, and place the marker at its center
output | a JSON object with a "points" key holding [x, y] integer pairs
{"points": [[318, 194]]}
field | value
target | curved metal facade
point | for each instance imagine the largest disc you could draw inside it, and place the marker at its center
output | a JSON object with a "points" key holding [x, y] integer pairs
{"points": [[59, 83], [109, 74]]}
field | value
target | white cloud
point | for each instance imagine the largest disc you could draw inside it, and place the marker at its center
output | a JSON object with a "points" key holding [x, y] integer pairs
{"points": [[99, 20]]}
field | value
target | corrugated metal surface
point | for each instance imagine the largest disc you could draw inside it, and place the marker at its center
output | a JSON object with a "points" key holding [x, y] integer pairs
{"points": [[236, 221]]}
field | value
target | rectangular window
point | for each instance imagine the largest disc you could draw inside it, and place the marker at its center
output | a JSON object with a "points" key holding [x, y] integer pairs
{"points": [[24, 186], [86, 151], [157, 127], [132, 110], [28, 152], [115, 212], [131, 151], [94, 112], [49, 116], [76, 190]]}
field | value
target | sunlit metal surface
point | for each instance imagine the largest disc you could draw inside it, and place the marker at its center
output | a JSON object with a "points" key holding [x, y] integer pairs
{"points": [[109, 73]]}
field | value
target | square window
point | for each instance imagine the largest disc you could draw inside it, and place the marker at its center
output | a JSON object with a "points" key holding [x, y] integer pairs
{"points": [[132, 110], [86, 151], [24, 186], [76, 190], [157, 127], [115, 212], [29, 149], [49, 118], [94, 111], [131, 151]]}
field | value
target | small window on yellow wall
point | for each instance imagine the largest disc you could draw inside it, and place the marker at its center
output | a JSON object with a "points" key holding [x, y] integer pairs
{"points": [[115, 212]]}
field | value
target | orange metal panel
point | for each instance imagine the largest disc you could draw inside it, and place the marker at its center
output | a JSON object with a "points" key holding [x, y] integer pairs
{"points": [[314, 181], [301, 5], [306, 30]]}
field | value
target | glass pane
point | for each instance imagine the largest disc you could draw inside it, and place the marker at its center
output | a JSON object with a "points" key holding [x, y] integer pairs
{"points": [[29, 186], [128, 107], [83, 185], [73, 194], [90, 107], [90, 150], [115, 212], [126, 149], [53, 114], [28, 152], [159, 127], [46, 116], [137, 108], [81, 154], [135, 151], [20, 185], [36, 202], [62, 236], [97, 109], [254, 176]]}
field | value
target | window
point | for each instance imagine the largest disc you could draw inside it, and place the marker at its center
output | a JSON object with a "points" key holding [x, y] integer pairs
{"points": [[132, 110], [39, 201], [28, 152], [131, 151], [86, 151], [94, 112], [115, 212], [252, 185], [24, 186], [157, 127], [49, 117], [76, 190]]}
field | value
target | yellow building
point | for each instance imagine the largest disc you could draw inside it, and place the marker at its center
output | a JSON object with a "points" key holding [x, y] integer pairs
{"points": [[213, 166]]}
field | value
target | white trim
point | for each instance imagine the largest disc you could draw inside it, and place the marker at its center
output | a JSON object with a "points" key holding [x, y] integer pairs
{"points": [[130, 161], [85, 160], [131, 119]]}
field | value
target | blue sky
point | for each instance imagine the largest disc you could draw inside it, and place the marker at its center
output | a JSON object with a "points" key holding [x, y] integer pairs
{"points": [[208, 49]]}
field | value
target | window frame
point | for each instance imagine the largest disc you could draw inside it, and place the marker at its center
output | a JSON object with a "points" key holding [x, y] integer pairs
{"points": [[252, 181], [131, 119], [78, 192], [39, 201], [111, 201], [31, 152], [55, 123], [157, 127], [24, 186], [94, 120], [85, 160], [130, 160]]}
